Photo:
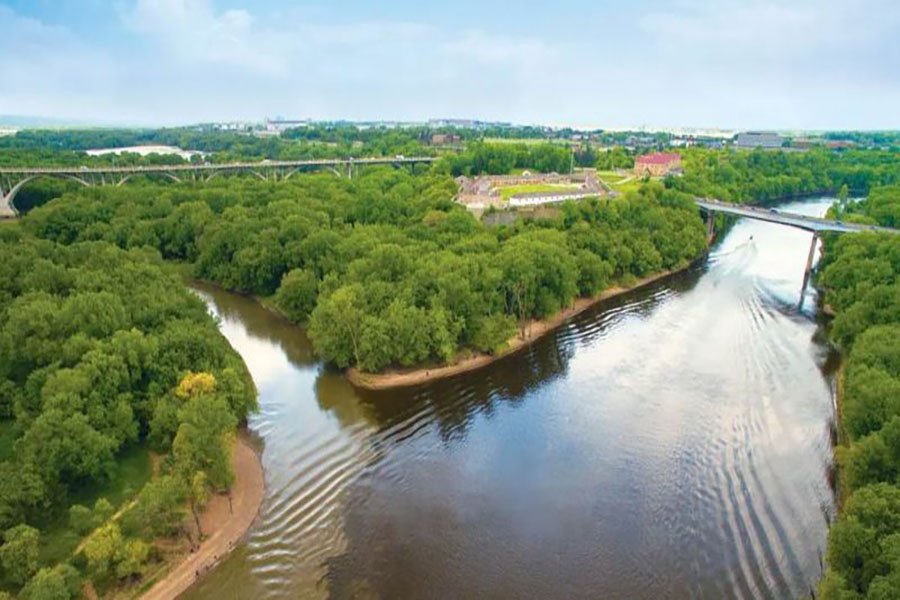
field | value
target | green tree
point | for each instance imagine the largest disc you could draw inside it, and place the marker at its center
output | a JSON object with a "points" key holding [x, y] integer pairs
{"points": [[19, 553], [335, 325], [61, 582], [199, 496], [103, 511], [296, 295], [202, 442], [131, 558], [493, 332], [158, 508], [103, 548], [81, 519]]}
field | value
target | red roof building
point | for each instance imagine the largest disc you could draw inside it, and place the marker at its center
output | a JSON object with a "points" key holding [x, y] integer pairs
{"points": [[657, 164]]}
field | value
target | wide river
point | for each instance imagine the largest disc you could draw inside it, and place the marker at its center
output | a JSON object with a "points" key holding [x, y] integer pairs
{"points": [[674, 442]]}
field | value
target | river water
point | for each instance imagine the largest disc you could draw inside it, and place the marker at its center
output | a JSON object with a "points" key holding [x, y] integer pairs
{"points": [[674, 442]]}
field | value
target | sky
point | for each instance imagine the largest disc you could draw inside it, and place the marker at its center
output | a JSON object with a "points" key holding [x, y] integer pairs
{"points": [[731, 64]]}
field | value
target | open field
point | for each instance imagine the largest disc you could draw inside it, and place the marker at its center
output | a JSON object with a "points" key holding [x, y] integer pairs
{"points": [[530, 188]]}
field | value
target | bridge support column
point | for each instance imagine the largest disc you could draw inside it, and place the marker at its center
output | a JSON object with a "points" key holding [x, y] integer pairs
{"points": [[7, 210], [809, 260], [710, 226]]}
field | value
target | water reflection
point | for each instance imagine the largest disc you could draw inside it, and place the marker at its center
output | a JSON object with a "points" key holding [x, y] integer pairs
{"points": [[673, 442]]}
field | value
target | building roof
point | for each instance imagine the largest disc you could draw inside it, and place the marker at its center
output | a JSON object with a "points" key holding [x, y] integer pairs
{"points": [[556, 194], [763, 139], [658, 158]]}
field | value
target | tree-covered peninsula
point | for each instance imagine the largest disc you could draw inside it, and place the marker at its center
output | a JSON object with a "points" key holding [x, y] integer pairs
{"points": [[386, 268]]}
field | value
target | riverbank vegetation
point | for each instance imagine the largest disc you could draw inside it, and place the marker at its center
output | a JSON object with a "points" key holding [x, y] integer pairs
{"points": [[105, 359], [761, 176], [860, 276]]}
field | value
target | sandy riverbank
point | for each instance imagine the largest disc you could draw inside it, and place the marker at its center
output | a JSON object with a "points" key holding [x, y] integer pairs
{"points": [[535, 331], [224, 523]]}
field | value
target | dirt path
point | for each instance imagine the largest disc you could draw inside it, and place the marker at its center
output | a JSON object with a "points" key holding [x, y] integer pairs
{"points": [[535, 330], [225, 525]]}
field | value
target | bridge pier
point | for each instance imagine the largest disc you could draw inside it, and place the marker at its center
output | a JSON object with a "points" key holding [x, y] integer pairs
{"points": [[809, 260], [7, 210], [710, 226]]}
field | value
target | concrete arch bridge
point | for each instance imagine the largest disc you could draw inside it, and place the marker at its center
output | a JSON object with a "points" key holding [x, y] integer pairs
{"points": [[13, 179]]}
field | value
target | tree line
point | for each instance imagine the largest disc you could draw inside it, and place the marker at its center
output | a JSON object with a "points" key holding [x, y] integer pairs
{"points": [[103, 352], [500, 159], [761, 176], [860, 276]]}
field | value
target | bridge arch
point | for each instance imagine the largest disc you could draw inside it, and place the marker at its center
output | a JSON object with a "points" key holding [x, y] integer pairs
{"points": [[7, 203]]}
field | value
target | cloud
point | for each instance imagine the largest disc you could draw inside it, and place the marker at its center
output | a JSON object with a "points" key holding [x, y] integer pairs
{"points": [[806, 37], [192, 31], [367, 32], [496, 49], [45, 65], [730, 63]]}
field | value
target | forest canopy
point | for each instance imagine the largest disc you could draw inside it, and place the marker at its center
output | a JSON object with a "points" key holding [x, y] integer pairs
{"points": [[385, 267], [859, 276], [96, 346]]}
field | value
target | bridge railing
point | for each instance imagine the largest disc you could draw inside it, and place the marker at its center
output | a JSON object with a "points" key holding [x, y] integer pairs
{"points": [[274, 164]]}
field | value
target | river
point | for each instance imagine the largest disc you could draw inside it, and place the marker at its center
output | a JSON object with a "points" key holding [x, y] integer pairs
{"points": [[673, 442]]}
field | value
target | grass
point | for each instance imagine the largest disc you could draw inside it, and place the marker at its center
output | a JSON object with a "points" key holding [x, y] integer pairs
{"points": [[629, 186], [611, 177], [133, 470], [507, 192], [619, 182]]}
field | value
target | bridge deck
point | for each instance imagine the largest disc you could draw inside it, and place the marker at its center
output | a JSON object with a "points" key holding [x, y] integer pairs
{"points": [[814, 224], [268, 164]]}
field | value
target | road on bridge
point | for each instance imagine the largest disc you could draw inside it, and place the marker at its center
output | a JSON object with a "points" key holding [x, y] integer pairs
{"points": [[814, 224]]}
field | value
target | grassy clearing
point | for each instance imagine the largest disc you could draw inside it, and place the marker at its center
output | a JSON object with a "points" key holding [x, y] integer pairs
{"points": [[133, 470], [507, 192], [621, 183], [631, 185], [611, 177]]}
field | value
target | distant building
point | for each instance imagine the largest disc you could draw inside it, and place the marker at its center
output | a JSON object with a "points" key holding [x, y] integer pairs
{"points": [[537, 198], [466, 123], [767, 140], [278, 125], [439, 139], [233, 126], [657, 164]]}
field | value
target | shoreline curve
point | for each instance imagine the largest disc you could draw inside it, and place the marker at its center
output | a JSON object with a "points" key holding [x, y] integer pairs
{"points": [[537, 329], [247, 494]]}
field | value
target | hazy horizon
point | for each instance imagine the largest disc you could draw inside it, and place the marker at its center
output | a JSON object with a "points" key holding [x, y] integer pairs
{"points": [[733, 65]]}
